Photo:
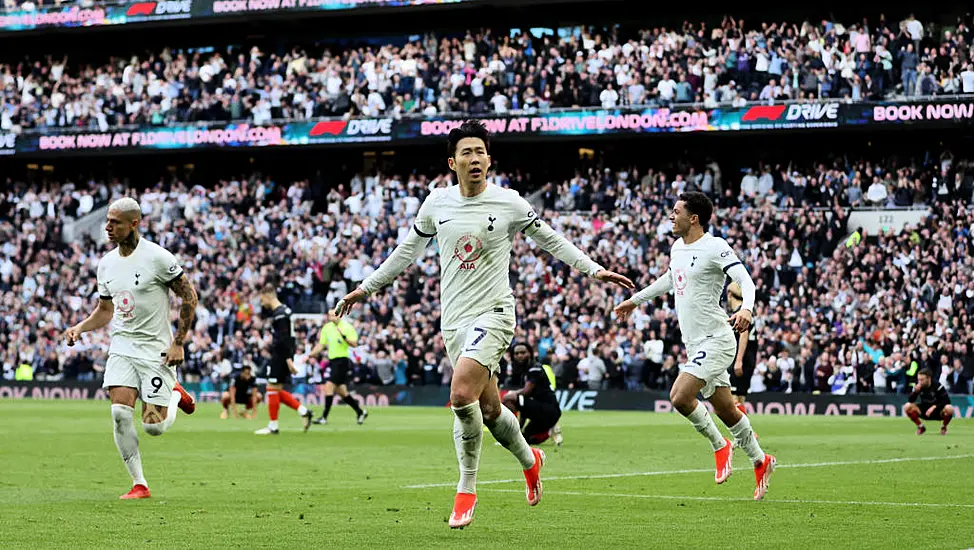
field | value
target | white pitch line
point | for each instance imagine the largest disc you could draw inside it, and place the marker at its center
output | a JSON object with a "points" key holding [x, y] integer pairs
{"points": [[702, 470], [736, 499]]}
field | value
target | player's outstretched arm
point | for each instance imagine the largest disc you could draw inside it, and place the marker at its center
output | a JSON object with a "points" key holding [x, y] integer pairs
{"points": [[101, 316], [660, 286], [182, 288], [558, 246], [402, 257]]}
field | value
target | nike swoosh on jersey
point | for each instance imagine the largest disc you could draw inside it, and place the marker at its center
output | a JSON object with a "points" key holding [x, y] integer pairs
{"points": [[444, 221]]}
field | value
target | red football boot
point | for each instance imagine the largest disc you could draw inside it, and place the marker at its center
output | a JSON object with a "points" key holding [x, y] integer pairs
{"points": [[186, 402], [137, 491]]}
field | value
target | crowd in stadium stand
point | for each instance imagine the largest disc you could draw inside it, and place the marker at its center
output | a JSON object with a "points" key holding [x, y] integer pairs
{"points": [[832, 316], [488, 71]]}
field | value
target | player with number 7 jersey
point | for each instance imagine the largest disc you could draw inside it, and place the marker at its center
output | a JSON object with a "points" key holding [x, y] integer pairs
{"points": [[475, 224]]}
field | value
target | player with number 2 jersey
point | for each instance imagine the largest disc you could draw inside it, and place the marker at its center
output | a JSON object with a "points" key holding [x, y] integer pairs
{"points": [[700, 263]]}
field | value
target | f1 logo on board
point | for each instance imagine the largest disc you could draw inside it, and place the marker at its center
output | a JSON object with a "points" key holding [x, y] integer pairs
{"points": [[763, 112], [165, 7]]}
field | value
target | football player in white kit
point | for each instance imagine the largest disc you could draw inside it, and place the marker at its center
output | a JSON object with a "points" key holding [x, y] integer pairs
{"points": [[134, 281], [475, 224], [699, 265]]}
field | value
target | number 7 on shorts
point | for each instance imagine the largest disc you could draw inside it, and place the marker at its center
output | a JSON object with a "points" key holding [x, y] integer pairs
{"points": [[481, 334]]}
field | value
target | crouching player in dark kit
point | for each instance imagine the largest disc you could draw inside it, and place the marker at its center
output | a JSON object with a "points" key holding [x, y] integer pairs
{"points": [[929, 401], [243, 390], [535, 403]]}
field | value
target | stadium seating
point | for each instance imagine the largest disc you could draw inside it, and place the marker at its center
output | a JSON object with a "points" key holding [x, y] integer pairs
{"points": [[814, 288], [736, 63]]}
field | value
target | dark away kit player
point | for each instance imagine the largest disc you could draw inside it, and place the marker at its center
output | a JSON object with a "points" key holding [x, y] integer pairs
{"points": [[281, 365], [929, 401], [243, 389], [535, 402]]}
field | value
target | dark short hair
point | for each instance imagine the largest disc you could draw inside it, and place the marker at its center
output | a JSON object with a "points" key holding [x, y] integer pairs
{"points": [[699, 204], [469, 129], [926, 371], [269, 288]]}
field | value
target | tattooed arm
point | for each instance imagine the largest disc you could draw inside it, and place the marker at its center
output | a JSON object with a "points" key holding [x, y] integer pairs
{"points": [[184, 289]]}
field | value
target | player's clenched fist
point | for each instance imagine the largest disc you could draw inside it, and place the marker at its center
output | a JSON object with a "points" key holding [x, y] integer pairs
{"points": [[741, 320], [72, 335]]}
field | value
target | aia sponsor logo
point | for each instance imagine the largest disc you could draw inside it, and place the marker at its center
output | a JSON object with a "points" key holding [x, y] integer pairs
{"points": [[680, 280], [166, 7], [468, 250], [364, 127], [125, 304]]}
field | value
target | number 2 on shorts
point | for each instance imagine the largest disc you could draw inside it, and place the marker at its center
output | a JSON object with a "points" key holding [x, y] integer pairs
{"points": [[696, 360], [483, 332]]}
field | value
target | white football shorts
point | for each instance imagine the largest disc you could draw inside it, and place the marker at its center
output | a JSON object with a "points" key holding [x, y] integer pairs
{"points": [[153, 379], [709, 361], [484, 340]]}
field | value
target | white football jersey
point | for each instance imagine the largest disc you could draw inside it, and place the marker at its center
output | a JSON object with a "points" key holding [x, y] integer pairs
{"points": [[698, 272], [137, 286], [475, 236]]}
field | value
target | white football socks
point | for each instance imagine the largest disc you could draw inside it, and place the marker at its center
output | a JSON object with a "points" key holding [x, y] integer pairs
{"points": [[159, 428], [506, 431], [744, 437], [127, 441], [468, 435], [704, 423], [171, 410]]}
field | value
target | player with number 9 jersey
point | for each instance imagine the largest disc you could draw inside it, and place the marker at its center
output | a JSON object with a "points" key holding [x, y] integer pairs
{"points": [[133, 283]]}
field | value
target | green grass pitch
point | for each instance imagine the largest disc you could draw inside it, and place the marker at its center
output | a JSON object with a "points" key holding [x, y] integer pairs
{"points": [[622, 479]]}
